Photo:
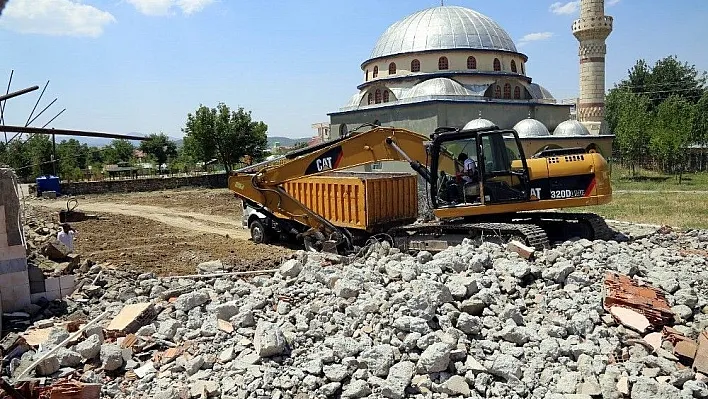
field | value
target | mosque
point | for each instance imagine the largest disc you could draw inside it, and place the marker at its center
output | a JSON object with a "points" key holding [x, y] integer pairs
{"points": [[452, 66]]}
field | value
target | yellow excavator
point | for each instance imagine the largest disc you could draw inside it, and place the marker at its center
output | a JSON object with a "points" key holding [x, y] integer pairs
{"points": [[478, 183]]}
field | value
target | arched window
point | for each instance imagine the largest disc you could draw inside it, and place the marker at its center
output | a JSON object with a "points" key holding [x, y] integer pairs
{"points": [[513, 66], [415, 66], [367, 75], [522, 69], [442, 63], [517, 93], [386, 96], [471, 63], [376, 72], [497, 66], [377, 96], [392, 68], [497, 91], [370, 99], [507, 91]]}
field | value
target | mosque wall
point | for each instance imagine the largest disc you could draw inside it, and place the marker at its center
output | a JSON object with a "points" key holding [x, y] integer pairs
{"points": [[457, 61], [425, 117]]}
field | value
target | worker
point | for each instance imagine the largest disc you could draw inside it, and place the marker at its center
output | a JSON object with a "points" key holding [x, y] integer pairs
{"points": [[469, 168], [66, 236]]}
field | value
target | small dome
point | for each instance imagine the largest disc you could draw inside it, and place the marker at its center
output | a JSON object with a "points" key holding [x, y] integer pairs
{"points": [[531, 128], [478, 123], [439, 87], [443, 28], [571, 127]]}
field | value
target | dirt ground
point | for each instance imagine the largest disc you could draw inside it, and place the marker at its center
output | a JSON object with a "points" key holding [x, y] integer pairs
{"points": [[218, 202], [166, 232]]}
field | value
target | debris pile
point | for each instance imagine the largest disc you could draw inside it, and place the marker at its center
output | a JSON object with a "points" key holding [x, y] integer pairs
{"points": [[471, 321]]}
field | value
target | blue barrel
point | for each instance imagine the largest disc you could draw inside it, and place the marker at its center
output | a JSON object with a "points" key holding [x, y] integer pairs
{"points": [[47, 183]]}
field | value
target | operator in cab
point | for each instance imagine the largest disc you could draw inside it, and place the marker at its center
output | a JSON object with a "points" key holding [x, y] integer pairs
{"points": [[469, 168]]}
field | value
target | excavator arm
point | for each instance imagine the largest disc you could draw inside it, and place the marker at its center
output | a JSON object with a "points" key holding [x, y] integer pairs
{"points": [[264, 190]]}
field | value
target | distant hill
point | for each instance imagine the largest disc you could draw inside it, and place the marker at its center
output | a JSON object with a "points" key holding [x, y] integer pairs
{"points": [[286, 141]]}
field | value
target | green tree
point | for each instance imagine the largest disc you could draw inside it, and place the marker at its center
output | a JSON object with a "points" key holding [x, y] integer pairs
{"points": [[632, 127], [72, 158], [671, 133], [118, 151], [700, 120], [672, 78], [224, 134], [160, 147], [39, 151]]}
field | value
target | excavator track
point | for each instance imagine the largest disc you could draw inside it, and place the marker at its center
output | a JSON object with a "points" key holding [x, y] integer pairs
{"points": [[595, 225], [438, 236]]}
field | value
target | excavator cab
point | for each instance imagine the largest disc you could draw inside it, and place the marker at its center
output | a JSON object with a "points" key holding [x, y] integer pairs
{"points": [[489, 168]]}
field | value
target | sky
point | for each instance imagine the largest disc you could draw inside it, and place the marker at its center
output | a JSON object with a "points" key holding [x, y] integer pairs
{"points": [[140, 66]]}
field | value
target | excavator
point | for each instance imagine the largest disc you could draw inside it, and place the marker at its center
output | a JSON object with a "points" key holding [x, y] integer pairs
{"points": [[505, 195]]}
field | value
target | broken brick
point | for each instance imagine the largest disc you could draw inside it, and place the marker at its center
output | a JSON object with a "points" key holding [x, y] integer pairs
{"points": [[630, 318], [686, 351], [624, 292], [700, 363]]}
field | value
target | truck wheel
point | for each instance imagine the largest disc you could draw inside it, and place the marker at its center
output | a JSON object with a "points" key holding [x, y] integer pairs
{"points": [[259, 233]]}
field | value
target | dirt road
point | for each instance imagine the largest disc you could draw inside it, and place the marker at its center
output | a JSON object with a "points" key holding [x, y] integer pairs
{"points": [[167, 232], [221, 225]]}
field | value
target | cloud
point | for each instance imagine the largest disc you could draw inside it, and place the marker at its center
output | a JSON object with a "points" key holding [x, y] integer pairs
{"points": [[611, 3], [165, 7], [568, 8], [55, 18], [535, 37], [192, 6]]}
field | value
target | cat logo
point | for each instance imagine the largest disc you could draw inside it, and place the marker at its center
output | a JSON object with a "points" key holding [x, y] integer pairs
{"points": [[328, 160], [535, 193], [324, 164]]}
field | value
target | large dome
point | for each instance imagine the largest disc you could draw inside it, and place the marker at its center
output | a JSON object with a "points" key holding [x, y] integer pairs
{"points": [[531, 128], [443, 28], [438, 87], [571, 128]]}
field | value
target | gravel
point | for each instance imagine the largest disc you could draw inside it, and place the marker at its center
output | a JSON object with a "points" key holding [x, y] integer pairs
{"points": [[472, 321]]}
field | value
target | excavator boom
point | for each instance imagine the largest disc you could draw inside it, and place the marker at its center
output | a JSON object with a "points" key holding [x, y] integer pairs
{"points": [[263, 188]]}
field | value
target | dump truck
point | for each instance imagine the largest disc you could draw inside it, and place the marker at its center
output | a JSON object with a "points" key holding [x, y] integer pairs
{"points": [[504, 195]]}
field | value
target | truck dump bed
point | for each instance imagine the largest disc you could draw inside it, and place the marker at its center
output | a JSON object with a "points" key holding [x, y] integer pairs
{"points": [[359, 200]]}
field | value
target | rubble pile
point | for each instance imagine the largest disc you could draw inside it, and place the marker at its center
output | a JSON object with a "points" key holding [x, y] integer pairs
{"points": [[471, 321]]}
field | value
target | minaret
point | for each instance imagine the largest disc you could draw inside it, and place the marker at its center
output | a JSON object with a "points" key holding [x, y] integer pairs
{"points": [[591, 30]]}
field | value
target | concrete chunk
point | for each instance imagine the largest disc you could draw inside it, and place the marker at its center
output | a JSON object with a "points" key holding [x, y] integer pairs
{"points": [[132, 317]]}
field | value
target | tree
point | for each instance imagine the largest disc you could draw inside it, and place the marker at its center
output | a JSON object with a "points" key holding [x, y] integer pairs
{"points": [[224, 134], [118, 151], [668, 77], [700, 121], [671, 133], [632, 126], [72, 158], [39, 151], [160, 147]]}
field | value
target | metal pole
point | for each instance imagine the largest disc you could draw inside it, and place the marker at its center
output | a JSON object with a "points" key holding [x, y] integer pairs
{"points": [[54, 154], [18, 93], [41, 112], [37, 103], [2, 104], [55, 116]]}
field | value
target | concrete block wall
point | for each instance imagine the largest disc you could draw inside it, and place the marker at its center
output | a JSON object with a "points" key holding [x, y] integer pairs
{"points": [[138, 185], [14, 281]]}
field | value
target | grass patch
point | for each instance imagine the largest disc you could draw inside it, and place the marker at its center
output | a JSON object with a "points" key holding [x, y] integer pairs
{"points": [[682, 210], [622, 179]]}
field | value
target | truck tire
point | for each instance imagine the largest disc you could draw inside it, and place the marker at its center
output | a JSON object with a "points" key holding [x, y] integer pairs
{"points": [[259, 233]]}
